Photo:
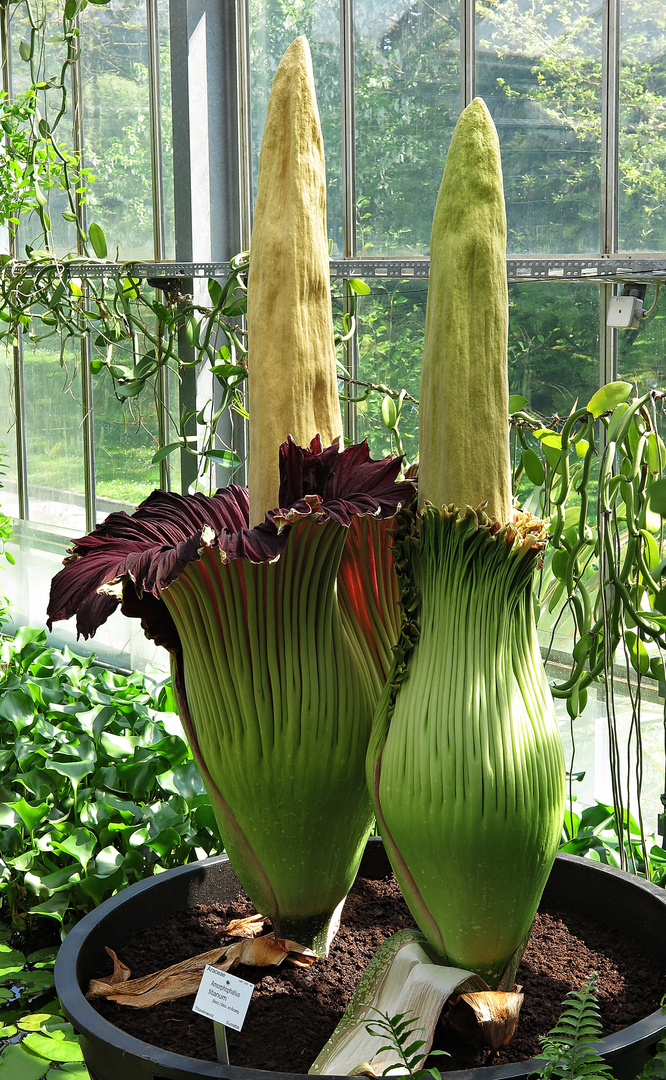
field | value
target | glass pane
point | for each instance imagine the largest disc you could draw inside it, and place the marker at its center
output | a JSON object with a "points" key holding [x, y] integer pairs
{"points": [[391, 322], [43, 66], [126, 437], [9, 474], [117, 125], [553, 350], [643, 126], [539, 70], [553, 345], [407, 102], [642, 352], [272, 30], [54, 438]]}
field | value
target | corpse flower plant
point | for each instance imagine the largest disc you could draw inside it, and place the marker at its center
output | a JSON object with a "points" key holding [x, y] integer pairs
{"points": [[280, 634], [466, 764]]}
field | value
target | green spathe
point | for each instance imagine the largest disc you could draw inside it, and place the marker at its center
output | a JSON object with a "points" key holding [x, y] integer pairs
{"points": [[281, 708], [465, 761], [464, 396]]}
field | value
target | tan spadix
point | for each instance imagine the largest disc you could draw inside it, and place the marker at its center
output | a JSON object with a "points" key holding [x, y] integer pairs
{"points": [[291, 361]]}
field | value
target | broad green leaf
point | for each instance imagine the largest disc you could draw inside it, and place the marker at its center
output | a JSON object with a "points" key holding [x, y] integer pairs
{"points": [[361, 288], [640, 658], [657, 497], [516, 403], [72, 1070], [533, 466], [43, 957], [18, 1063], [107, 861], [18, 707], [656, 454], [31, 816], [81, 844], [619, 424], [650, 549], [185, 780], [226, 458], [214, 291], [582, 446], [54, 1049], [560, 564], [97, 239], [11, 961], [607, 397], [55, 907], [73, 770], [118, 747], [34, 1021], [33, 981], [164, 451]]}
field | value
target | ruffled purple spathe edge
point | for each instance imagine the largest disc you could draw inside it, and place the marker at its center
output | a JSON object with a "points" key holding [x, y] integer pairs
{"points": [[150, 548]]}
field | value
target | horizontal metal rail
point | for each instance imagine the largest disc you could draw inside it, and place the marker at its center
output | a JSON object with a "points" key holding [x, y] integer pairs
{"points": [[519, 268]]}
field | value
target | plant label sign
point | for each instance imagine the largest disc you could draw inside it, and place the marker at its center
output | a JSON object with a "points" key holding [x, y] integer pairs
{"points": [[223, 998]]}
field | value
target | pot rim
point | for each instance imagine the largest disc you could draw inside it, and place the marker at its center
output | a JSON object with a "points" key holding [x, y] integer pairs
{"points": [[89, 1023]]}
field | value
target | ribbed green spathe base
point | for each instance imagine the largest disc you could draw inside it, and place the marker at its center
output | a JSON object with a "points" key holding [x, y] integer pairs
{"points": [[466, 762], [280, 711]]}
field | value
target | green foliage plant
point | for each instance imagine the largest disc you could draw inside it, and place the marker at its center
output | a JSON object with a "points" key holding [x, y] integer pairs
{"points": [[597, 475], [401, 1032], [569, 1050], [99, 788]]}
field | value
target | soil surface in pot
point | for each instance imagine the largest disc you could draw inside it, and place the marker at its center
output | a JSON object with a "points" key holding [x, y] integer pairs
{"points": [[294, 1010]]}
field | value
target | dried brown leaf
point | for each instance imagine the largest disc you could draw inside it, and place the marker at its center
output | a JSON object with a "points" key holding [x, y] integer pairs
{"points": [[100, 988], [250, 927], [487, 1017], [169, 989]]}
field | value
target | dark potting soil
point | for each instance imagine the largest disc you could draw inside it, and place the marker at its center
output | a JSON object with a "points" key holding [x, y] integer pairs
{"points": [[293, 1010]]}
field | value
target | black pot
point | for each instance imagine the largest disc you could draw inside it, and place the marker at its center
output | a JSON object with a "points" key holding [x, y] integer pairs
{"points": [[636, 908]]}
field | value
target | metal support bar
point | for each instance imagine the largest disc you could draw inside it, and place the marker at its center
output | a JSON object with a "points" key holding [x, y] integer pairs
{"points": [[518, 268], [610, 139], [610, 177], [159, 224], [467, 52], [17, 350], [244, 120], [348, 128], [87, 404]]}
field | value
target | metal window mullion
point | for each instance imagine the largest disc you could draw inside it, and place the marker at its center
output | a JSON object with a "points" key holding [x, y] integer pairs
{"points": [[159, 222], [88, 424], [240, 435], [610, 142], [348, 129], [610, 125], [467, 52], [17, 349], [244, 120]]}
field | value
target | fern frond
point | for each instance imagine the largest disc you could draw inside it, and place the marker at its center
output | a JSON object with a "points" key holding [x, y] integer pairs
{"points": [[568, 1048]]}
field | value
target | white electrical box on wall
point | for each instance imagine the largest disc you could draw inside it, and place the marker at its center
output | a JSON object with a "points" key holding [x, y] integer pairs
{"points": [[625, 312]]}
